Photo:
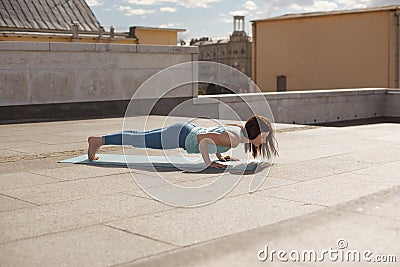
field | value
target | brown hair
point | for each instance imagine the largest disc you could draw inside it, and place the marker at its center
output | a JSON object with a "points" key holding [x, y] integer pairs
{"points": [[252, 128]]}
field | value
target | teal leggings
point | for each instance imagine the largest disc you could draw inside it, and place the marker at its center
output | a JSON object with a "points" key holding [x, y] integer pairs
{"points": [[170, 137]]}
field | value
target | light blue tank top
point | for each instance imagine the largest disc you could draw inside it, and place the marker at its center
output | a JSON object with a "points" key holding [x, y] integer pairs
{"points": [[192, 145]]}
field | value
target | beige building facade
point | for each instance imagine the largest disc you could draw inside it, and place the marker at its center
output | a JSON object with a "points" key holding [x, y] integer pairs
{"points": [[328, 50], [157, 36]]}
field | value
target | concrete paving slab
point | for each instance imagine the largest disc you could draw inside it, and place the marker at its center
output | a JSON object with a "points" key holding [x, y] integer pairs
{"points": [[17, 136], [11, 153], [346, 141], [84, 134], [187, 226], [240, 189], [384, 204], [16, 144], [175, 174], [388, 170], [375, 156], [8, 203], [243, 186], [358, 143], [19, 164], [317, 168], [375, 129], [322, 131], [330, 190], [291, 154], [79, 171], [36, 221], [334, 229], [23, 179], [43, 148], [72, 190], [53, 139], [89, 246]]}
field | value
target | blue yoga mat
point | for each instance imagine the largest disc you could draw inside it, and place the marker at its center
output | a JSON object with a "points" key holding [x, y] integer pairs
{"points": [[156, 161]]}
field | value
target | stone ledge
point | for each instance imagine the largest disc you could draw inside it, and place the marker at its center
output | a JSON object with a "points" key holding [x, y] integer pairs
{"points": [[24, 46], [155, 49], [186, 49], [122, 48], [299, 94], [393, 91], [73, 47], [94, 47]]}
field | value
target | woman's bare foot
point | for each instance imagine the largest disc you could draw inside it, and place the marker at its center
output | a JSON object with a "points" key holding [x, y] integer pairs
{"points": [[94, 144]]}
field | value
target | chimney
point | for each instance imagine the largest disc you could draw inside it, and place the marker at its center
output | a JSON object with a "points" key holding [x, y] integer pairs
{"points": [[75, 31]]}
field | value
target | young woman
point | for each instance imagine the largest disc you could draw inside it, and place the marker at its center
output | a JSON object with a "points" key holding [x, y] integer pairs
{"points": [[257, 135]]}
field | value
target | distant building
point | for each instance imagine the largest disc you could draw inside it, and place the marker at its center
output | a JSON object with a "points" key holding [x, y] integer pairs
{"points": [[69, 21], [234, 52], [151, 35], [328, 50]]}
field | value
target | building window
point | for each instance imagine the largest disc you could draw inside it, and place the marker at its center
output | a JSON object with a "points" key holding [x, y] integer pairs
{"points": [[281, 83]]}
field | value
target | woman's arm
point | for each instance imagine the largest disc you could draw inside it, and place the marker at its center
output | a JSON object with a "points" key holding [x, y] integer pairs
{"points": [[215, 139]]}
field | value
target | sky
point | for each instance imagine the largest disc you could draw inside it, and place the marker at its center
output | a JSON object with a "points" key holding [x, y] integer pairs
{"points": [[209, 18]]}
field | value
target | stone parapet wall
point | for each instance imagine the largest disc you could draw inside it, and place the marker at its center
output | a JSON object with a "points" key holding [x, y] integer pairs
{"points": [[392, 105], [310, 107], [34, 73]]}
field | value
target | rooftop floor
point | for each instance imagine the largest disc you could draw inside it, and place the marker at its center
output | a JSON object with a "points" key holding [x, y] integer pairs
{"points": [[328, 184]]}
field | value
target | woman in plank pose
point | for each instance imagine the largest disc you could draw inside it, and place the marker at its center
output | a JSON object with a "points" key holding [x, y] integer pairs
{"points": [[257, 135]]}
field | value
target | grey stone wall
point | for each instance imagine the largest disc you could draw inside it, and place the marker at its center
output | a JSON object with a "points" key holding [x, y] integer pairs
{"points": [[392, 105], [35, 73], [308, 107]]}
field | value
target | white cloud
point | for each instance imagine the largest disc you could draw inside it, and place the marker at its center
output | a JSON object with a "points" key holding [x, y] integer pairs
{"points": [[185, 3], [239, 13], [350, 4], [317, 6], [170, 25], [129, 11], [150, 2], [325, 6], [197, 3], [250, 5], [168, 9], [94, 3]]}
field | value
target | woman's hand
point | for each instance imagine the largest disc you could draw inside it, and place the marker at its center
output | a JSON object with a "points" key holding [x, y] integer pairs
{"points": [[229, 158], [217, 165], [226, 158]]}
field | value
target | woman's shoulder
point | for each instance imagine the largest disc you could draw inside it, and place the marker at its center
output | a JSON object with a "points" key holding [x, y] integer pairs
{"points": [[236, 129]]}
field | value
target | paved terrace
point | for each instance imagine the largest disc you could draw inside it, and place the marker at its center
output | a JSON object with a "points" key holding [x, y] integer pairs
{"points": [[327, 184]]}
